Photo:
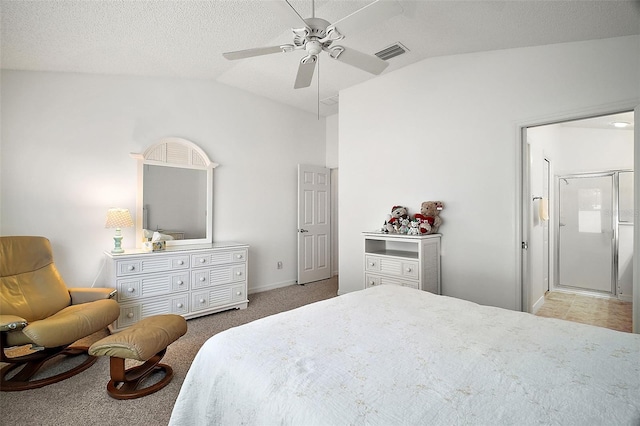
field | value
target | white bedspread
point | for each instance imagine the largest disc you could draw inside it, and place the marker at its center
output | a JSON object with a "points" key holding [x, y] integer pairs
{"points": [[391, 355]]}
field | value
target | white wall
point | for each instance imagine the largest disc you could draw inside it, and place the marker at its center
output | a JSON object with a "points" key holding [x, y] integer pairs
{"points": [[332, 144], [66, 140], [600, 150], [446, 129], [332, 141]]}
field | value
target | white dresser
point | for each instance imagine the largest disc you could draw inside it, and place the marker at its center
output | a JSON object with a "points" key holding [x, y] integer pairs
{"points": [[398, 259], [189, 280]]}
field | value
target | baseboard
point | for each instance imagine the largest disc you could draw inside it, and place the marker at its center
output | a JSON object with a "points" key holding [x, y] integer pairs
{"points": [[537, 305], [626, 298], [272, 286]]}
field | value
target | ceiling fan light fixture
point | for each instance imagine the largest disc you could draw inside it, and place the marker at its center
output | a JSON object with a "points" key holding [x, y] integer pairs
{"points": [[313, 47]]}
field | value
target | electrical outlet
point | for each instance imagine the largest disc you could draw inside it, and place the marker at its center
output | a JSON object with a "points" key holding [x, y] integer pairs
{"points": [[279, 264]]}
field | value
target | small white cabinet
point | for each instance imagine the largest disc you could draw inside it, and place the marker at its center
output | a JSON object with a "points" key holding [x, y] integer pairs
{"points": [[188, 280], [398, 259]]}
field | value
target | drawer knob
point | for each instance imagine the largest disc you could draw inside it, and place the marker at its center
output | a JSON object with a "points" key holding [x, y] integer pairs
{"points": [[180, 262], [202, 279], [239, 256], [203, 260], [180, 282], [131, 268], [130, 315], [238, 293], [372, 282], [131, 289], [409, 269], [179, 305], [372, 264], [238, 273], [202, 300]]}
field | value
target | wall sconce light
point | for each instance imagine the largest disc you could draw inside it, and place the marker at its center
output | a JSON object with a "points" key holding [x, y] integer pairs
{"points": [[118, 218]]}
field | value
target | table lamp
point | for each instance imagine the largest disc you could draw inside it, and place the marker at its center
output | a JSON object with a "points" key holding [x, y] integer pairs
{"points": [[118, 218]]}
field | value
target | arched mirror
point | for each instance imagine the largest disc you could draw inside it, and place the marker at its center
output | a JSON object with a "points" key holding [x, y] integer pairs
{"points": [[175, 192]]}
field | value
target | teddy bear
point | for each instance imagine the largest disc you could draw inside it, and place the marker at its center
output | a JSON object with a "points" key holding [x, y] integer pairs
{"points": [[393, 222], [430, 210]]}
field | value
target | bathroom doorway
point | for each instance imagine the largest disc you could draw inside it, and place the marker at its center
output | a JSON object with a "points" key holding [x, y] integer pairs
{"points": [[582, 152]]}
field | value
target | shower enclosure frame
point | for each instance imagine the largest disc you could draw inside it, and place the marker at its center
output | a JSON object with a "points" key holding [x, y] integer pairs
{"points": [[615, 223]]}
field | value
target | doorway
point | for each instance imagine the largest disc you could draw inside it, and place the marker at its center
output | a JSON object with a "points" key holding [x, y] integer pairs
{"points": [[555, 150]]}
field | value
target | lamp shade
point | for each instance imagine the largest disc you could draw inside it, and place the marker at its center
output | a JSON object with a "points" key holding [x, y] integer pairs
{"points": [[118, 218]]}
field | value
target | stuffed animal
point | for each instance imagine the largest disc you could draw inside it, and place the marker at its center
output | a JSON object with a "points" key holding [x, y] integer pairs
{"points": [[431, 212], [424, 226], [414, 228], [387, 227], [392, 224], [404, 226]]}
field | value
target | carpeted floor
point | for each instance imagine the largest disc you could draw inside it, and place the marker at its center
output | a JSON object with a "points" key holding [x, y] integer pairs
{"points": [[83, 400]]}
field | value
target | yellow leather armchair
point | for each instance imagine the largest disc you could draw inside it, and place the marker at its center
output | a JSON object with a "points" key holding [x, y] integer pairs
{"points": [[37, 308]]}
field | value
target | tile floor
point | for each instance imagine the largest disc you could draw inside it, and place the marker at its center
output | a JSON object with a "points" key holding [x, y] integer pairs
{"points": [[609, 313]]}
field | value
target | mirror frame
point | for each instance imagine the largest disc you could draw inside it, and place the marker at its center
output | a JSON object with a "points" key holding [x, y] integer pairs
{"points": [[181, 153]]}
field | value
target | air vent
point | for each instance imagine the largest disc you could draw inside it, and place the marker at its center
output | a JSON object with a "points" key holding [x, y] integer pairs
{"points": [[392, 51], [331, 100]]}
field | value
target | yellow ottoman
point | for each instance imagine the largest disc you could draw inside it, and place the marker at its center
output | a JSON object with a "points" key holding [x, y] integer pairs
{"points": [[146, 340]]}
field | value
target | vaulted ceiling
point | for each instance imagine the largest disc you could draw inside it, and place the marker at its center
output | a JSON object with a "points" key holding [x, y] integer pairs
{"points": [[186, 39]]}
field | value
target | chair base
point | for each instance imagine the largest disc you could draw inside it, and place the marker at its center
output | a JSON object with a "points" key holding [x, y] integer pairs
{"points": [[31, 364], [124, 384]]}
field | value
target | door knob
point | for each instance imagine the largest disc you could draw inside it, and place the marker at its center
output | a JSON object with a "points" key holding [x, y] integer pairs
{"points": [[303, 230]]}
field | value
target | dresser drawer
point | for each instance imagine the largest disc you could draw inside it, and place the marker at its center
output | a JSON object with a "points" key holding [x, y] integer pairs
{"points": [[151, 263], [372, 280], [393, 266], [152, 285], [372, 264], [216, 297], [218, 275], [134, 312], [129, 315], [218, 257]]}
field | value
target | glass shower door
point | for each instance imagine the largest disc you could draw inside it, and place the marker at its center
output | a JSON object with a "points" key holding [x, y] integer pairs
{"points": [[586, 233]]}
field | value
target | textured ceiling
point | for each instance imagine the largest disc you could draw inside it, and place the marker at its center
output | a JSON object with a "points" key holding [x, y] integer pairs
{"points": [[187, 38]]}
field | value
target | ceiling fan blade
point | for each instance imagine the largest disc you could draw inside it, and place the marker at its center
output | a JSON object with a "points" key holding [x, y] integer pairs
{"points": [[369, 63], [258, 51], [305, 71], [368, 16]]}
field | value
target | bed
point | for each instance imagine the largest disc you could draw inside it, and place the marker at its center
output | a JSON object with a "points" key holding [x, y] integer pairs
{"points": [[392, 355]]}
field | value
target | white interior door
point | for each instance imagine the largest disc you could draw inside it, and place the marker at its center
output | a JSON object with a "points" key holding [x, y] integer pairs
{"points": [[314, 223]]}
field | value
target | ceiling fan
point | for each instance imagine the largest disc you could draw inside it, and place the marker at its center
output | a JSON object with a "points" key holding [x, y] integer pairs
{"points": [[317, 35]]}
